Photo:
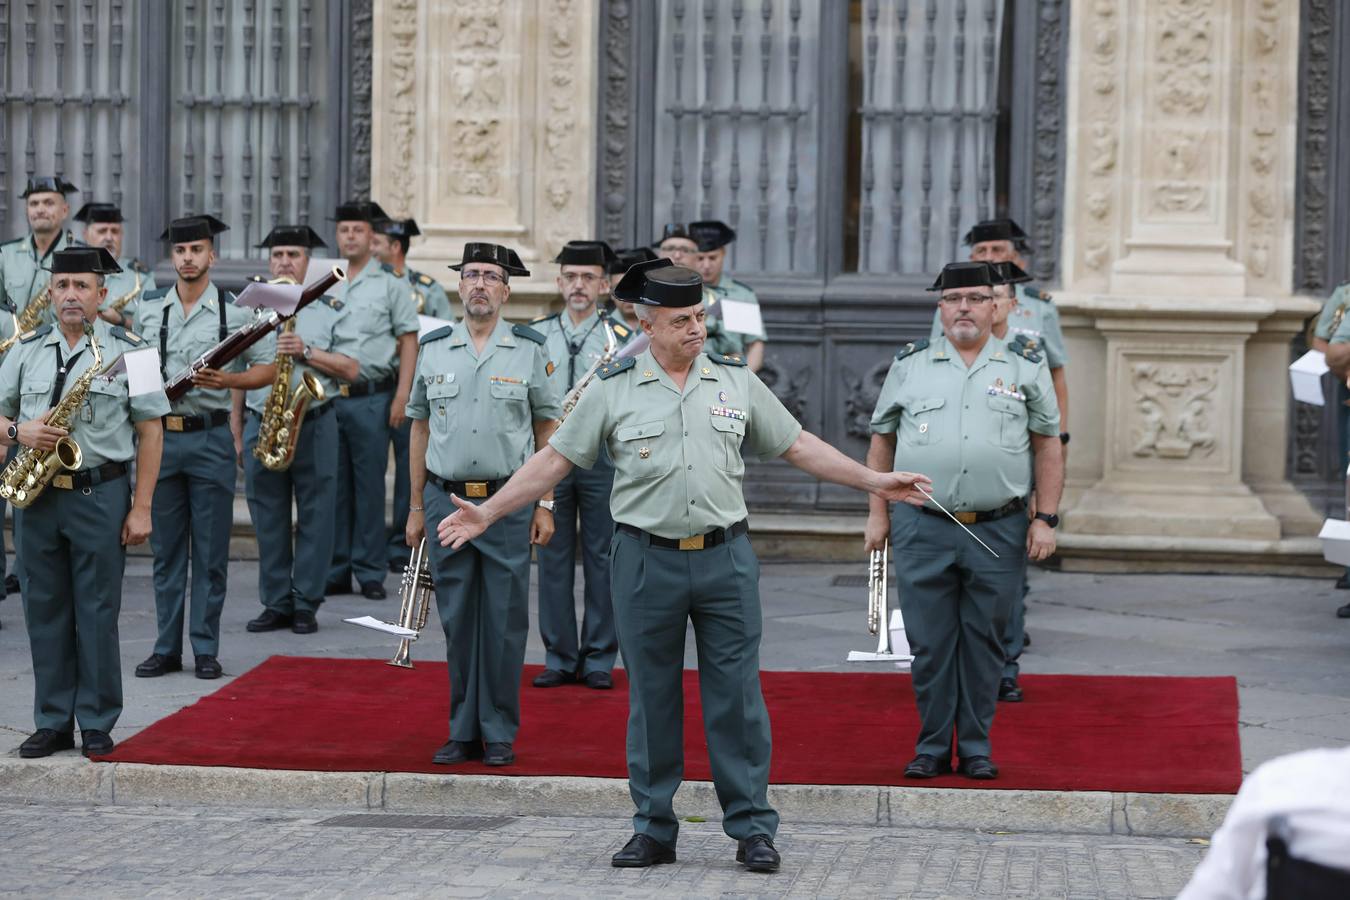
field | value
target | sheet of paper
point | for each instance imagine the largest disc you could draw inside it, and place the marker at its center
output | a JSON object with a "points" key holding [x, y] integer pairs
{"points": [[386, 627], [741, 317], [1335, 537], [428, 324], [143, 374], [1305, 377], [281, 297]]}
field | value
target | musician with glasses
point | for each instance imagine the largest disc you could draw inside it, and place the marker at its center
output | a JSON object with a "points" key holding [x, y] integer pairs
{"points": [[978, 413], [76, 531], [104, 227], [675, 420], [577, 338], [482, 400], [194, 500]]}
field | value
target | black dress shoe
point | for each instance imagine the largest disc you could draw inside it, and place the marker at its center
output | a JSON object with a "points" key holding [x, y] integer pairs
{"points": [[553, 678], [95, 743], [157, 664], [337, 588], [270, 620], [304, 622], [758, 854], [1342, 583], [981, 768], [454, 752], [207, 667], [1026, 639], [45, 742], [927, 766], [1343, 612], [641, 852], [598, 681], [11, 584], [498, 753], [373, 590], [1008, 691]]}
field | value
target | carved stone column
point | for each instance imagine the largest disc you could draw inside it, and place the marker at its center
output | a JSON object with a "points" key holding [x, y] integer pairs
{"points": [[483, 127], [1178, 267]]}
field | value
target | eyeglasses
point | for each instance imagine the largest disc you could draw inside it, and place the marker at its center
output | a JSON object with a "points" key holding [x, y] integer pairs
{"points": [[488, 278], [972, 299], [586, 278]]}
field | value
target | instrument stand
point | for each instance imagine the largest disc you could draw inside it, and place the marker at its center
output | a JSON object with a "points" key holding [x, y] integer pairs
{"points": [[899, 654]]}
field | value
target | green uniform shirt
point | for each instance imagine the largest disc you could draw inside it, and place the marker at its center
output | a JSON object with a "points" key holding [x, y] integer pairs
{"points": [[126, 282], [380, 308], [1035, 317], [191, 337], [562, 335], [677, 454], [429, 296], [967, 428], [316, 324], [103, 425], [721, 340], [1339, 299], [481, 410], [22, 276]]}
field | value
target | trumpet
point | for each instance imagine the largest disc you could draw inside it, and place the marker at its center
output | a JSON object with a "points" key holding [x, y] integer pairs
{"points": [[876, 599], [415, 595]]}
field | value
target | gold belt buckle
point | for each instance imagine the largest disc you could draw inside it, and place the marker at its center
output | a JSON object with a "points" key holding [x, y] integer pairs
{"points": [[64, 482], [966, 518], [345, 390], [475, 488], [692, 543], [173, 423]]}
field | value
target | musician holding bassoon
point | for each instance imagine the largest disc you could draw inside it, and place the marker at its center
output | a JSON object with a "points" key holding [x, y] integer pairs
{"points": [[104, 227], [75, 530], [291, 447], [481, 401], [194, 498], [675, 420]]}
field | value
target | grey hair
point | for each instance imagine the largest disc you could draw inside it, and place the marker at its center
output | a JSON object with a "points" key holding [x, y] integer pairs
{"points": [[643, 312]]}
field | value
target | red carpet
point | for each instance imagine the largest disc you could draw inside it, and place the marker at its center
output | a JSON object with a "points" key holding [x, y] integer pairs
{"points": [[1074, 732]]}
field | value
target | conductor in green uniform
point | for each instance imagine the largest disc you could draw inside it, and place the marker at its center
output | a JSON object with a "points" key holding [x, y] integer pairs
{"points": [[75, 533], [482, 400], [293, 562], [977, 413], [676, 420], [104, 227]]}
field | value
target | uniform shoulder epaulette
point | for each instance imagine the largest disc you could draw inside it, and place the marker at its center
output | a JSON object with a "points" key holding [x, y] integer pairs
{"points": [[1038, 294], [436, 335], [137, 266], [334, 303], [130, 337], [10, 241], [423, 279], [614, 368], [528, 333], [1023, 348], [727, 359], [35, 334], [385, 267], [911, 348], [545, 318], [156, 294], [622, 332]]}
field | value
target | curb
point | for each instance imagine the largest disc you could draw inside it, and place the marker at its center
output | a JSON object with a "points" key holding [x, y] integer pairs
{"points": [[72, 779]]}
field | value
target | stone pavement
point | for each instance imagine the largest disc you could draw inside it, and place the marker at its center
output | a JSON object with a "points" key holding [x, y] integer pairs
{"points": [[152, 852]]}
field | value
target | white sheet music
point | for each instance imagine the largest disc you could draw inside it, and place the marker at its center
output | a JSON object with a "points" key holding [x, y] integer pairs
{"points": [[386, 627]]}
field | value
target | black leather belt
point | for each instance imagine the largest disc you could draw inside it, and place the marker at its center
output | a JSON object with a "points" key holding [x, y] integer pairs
{"points": [[87, 478], [213, 419], [366, 388], [705, 541], [475, 489], [311, 414], [971, 518]]}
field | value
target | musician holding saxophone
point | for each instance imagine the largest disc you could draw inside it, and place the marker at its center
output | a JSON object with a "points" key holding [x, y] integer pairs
{"points": [[481, 401], [103, 227], [52, 390], [194, 498], [578, 337], [291, 447]]}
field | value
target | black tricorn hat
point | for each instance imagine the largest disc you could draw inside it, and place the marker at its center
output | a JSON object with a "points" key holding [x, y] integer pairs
{"points": [[48, 184], [193, 228], [403, 228], [673, 230], [99, 212], [711, 234], [1004, 229], [74, 260], [966, 274], [659, 282], [496, 254], [359, 211], [292, 236], [626, 259], [586, 253], [1010, 273]]}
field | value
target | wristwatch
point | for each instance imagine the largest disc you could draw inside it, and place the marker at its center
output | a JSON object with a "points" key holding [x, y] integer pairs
{"points": [[547, 504], [1049, 518], [1063, 437], [13, 431], [309, 351]]}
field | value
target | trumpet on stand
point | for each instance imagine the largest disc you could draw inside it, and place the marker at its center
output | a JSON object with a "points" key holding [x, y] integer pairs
{"points": [[891, 643], [416, 593]]}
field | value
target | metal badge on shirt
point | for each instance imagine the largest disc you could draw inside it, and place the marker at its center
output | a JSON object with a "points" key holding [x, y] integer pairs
{"points": [[998, 390]]}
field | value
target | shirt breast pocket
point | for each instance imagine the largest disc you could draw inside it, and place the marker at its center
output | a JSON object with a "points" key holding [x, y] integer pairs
{"points": [[106, 400], [441, 401], [641, 452], [34, 398], [925, 420], [512, 402], [730, 433], [1008, 427]]}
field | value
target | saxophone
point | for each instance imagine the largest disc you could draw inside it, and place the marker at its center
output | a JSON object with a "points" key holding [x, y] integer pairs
{"points": [[29, 473], [121, 302], [29, 318], [284, 412], [606, 357]]}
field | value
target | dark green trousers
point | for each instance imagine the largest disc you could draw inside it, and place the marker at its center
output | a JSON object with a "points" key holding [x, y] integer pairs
{"points": [[956, 599], [656, 593], [72, 542], [483, 596]]}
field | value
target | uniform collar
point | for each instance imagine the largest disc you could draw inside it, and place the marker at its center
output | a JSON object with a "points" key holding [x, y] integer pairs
{"points": [[569, 329], [56, 337], [501, 336], [207, 301], [63, 240], [994, 352]]}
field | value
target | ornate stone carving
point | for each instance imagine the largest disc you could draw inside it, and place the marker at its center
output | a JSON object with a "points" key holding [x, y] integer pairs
{"points": [[1047, 156], [1173, 409], [615, 132], [362, 32], [477, 90], [1099, 112], [1307, 441], [790, 389], [1266, 104], [1314, 118], [861, 399], [400, 98], [564, 145], [1183, 77]]}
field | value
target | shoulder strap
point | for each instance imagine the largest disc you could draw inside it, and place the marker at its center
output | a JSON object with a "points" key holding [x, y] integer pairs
{"points": [[525, 331], [436, 335], [911, 348], [615, 368]]}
